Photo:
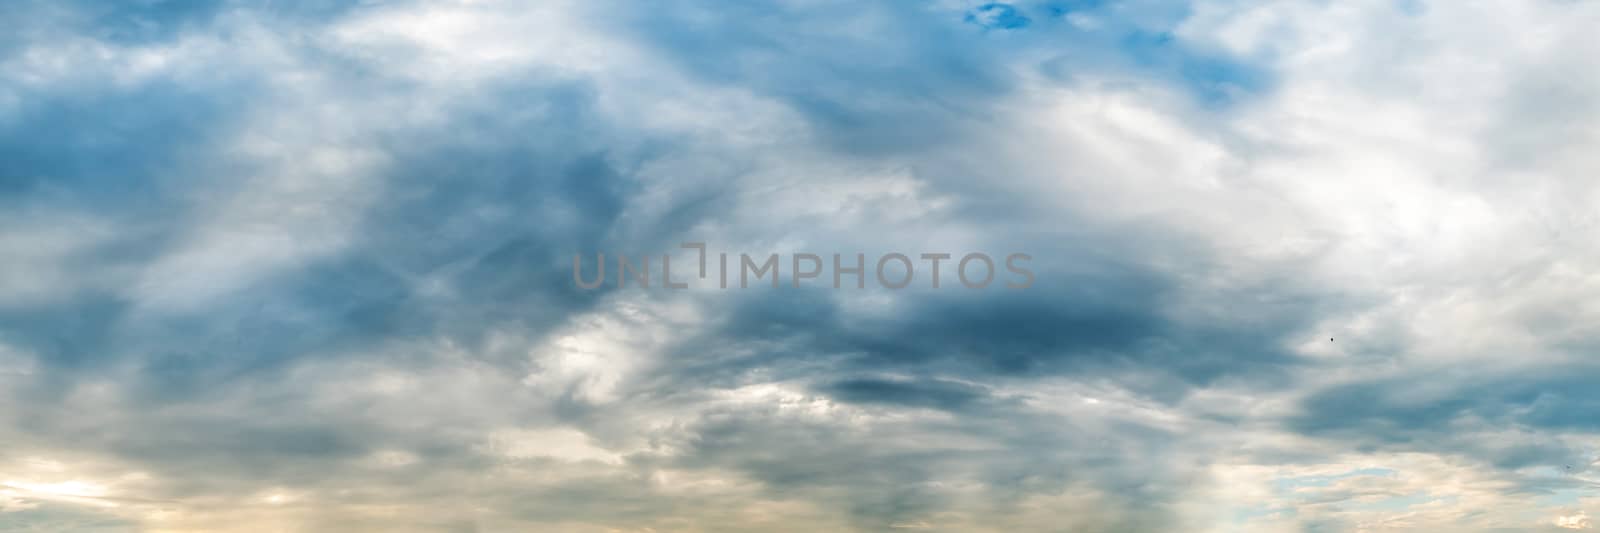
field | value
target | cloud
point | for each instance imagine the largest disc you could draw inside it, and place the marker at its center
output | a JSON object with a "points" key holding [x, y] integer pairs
{"points": [[1300, 266]]}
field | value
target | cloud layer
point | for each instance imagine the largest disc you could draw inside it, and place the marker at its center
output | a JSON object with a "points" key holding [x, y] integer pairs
{"points": [[1301, 266]]}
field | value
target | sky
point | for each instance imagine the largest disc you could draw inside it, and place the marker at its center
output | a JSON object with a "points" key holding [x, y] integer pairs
{"points": [[1299, 266]]}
